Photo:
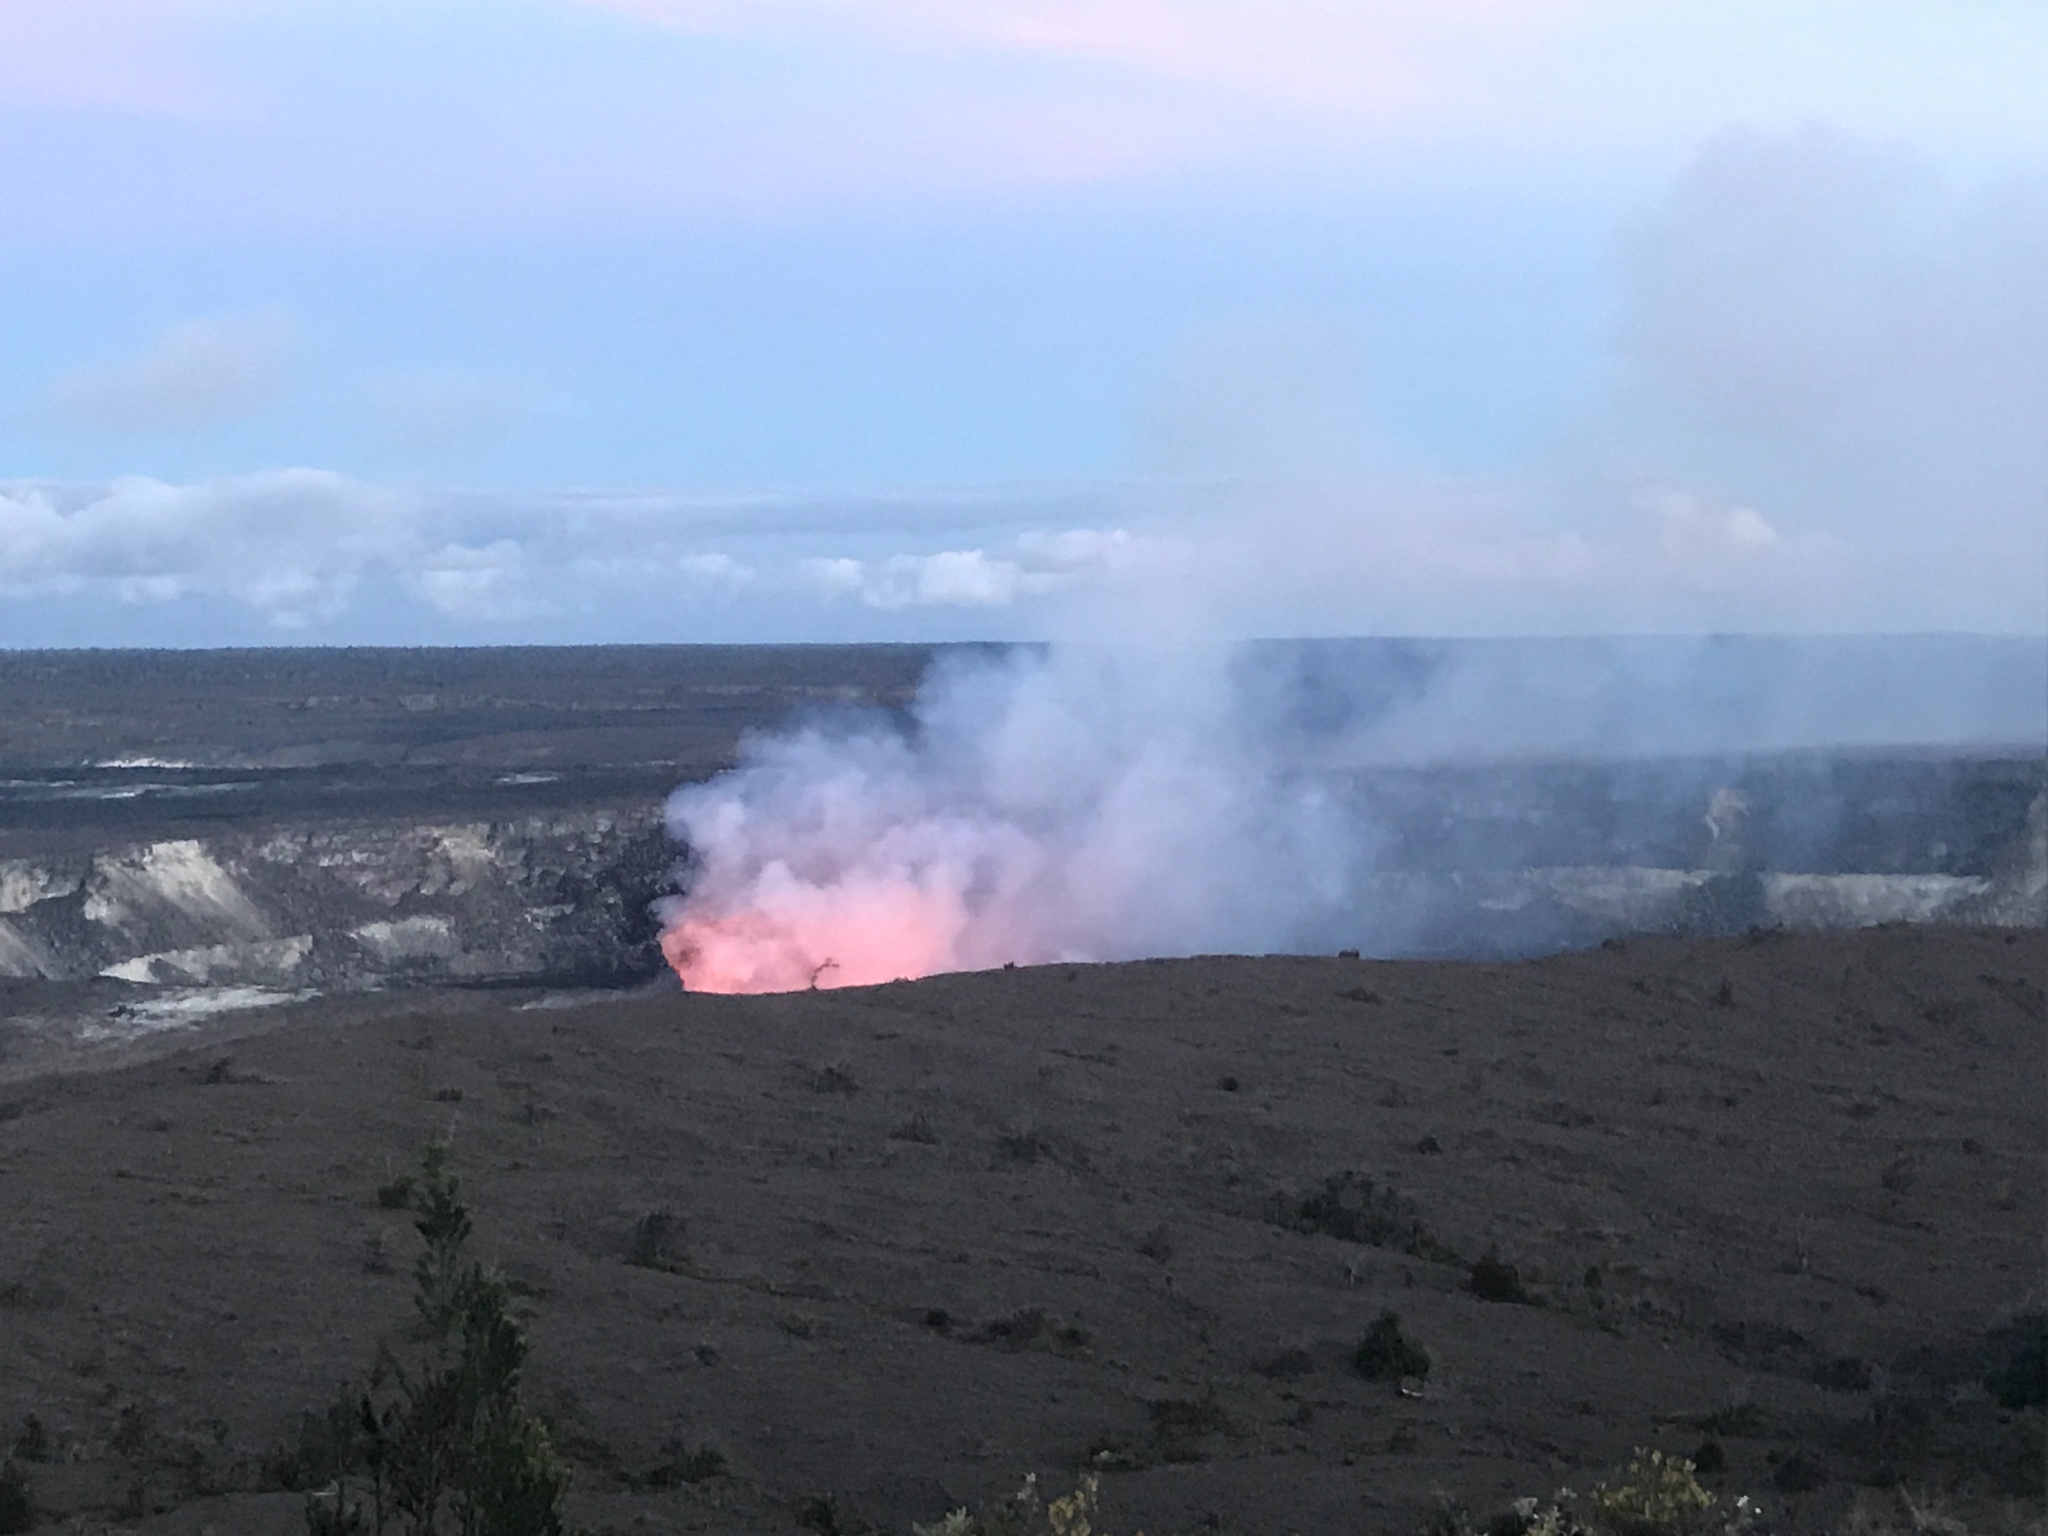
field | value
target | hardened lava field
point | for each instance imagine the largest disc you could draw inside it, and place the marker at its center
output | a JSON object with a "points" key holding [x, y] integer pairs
{"points": [[860, 1257]]}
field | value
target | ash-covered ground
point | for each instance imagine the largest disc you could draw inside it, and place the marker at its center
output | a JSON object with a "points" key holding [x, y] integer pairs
{"points": [[844, 1260]]}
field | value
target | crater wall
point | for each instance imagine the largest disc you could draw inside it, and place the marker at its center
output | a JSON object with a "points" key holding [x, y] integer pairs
{"points": [[304, 820]]}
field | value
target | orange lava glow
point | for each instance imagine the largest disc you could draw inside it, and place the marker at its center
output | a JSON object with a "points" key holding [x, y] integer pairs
{"points": [[853, 933]]}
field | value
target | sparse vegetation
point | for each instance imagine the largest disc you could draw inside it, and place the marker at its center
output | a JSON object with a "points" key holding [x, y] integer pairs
{"points": [[1027, 1513], [1927, 1394], [33, 1443], [17, 1504], [441, 1436], [1903, 1512], [681, 1464], [654, 1240], [2020, 1379], [1800, 1472], [833, 1079], [1655, 1495], [1388, 1352], [1492, 1278], [1353, 1209], [1660, 1495]]}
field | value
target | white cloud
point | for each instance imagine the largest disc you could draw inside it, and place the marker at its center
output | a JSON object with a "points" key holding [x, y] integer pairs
{"points": [[1700, 535], [198, 374], [717, 570], [490, 584], [305, 550], [1037, 564], [291, 545]]}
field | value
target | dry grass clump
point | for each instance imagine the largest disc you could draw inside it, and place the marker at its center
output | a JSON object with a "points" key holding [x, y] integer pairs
{"points": [[1655, 1495], [1027, 1513]]}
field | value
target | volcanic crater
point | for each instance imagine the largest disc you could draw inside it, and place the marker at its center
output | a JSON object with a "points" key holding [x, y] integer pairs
{"points": [[1746, 1169]]}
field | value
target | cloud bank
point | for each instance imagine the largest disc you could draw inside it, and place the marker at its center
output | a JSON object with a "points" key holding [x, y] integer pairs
{"points": [[1034, 565], [290, 546], [313, 555]]}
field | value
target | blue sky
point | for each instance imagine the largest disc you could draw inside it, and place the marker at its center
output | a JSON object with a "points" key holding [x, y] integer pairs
{"points": [[824, 319]]}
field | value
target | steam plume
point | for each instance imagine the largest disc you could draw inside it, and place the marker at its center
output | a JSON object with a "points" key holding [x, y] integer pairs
{"points": [[1080, 803], [1072, 804]]}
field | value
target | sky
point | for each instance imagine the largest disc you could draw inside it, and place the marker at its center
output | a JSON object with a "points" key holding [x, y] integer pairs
{"points": [[491, 321]]}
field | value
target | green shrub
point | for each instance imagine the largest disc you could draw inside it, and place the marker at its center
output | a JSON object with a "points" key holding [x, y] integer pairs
{"points": [[1353, 1209], [33, 1443], [333, 1443], [17, 1507], [1492, 1278], [1386, 1353], [442, 1435], [2020, 1378], [680, 1465], [654, 1240]]}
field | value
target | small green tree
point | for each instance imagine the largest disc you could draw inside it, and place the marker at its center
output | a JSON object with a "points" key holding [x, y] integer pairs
{"points": [[449, 1448], [1387, 1353], [17, 1509]]}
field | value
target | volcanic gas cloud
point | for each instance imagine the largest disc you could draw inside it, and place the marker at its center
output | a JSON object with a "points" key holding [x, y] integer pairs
{"points": [[1070, 805]]}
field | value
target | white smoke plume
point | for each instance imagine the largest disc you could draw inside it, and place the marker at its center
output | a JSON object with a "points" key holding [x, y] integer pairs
{"points": [[1093, 803], [1073, 804]]}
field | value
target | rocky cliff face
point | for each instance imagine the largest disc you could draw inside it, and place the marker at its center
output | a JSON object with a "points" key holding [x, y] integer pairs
{"points": [[567, 897], [338, 819], [555, 897], [1534, 910]]}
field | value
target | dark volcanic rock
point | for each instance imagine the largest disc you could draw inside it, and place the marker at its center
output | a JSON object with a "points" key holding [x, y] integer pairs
{"points": [[564, 896]]}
